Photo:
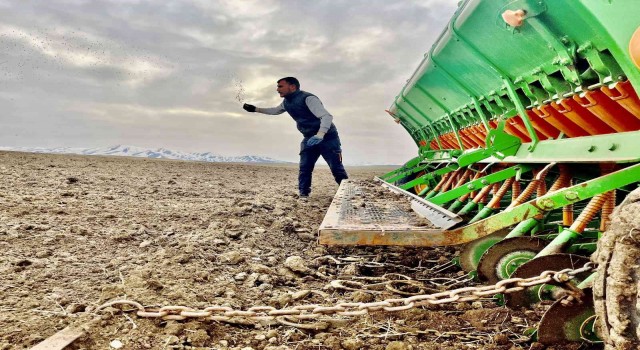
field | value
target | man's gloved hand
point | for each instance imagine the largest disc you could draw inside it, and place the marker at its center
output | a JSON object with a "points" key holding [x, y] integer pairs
{"points": [[314, 140], [249, 108]]}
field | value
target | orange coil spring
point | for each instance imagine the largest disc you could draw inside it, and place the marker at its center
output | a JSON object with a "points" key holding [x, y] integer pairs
{"points": [[542, 189], [516, 190], [567, 210], [607, 209], [463, 178], [533, 186], [482, 195], [609, 205], [443, 179], [450, 180], [494, 203], [562, 181], [594, 206]]}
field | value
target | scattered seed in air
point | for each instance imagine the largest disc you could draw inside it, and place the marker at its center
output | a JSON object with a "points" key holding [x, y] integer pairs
{"points": [[239, 89]]}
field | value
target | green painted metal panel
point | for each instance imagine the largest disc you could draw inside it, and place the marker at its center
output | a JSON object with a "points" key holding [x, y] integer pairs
{"points": [[619, 148], [514, 52], [458, 59], [614, 23], [563, 45]]}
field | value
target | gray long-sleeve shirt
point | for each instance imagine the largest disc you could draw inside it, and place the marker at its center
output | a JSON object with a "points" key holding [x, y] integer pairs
{"points": [[315, 106]]}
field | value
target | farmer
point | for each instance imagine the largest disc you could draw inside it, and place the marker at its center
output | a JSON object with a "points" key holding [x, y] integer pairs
{"points": [[315, 124]]}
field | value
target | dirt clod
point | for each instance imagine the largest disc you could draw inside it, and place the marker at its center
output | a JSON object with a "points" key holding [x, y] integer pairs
{"points": [[398, 345], [352, 344], [297, 264], [233, 257]]}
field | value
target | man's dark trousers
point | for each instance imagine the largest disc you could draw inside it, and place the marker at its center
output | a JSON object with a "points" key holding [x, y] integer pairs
{"points": [[330, 150]]}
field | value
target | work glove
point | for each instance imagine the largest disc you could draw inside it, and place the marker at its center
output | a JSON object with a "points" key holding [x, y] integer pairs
{"points": [[314, 140], [249, 108]]}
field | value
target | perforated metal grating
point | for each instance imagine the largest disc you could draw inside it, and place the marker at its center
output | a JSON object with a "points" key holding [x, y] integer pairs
{"points": [[355, 207]]}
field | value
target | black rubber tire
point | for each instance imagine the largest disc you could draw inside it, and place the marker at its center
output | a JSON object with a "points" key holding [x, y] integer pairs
{"points": [[616, 289]]}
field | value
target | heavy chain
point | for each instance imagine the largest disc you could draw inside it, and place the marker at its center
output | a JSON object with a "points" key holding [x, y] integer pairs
{"points": [[318, 312]]}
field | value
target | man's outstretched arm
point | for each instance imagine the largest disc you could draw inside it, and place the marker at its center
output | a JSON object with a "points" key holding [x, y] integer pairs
{"points": [[271, 110]]}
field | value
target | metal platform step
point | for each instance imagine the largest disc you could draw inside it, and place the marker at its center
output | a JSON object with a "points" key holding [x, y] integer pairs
{"points": [[351, 212]]}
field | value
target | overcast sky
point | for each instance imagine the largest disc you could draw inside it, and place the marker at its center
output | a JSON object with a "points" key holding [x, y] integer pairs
{"points": [[173, 74]]}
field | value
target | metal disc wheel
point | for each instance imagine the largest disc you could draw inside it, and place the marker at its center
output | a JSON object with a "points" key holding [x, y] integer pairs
{"points": [[552, 262], [472, 251], [617, 285], [504, 257], [568, 323]]}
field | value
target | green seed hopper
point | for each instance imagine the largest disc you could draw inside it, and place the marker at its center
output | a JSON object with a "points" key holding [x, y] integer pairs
{"points": [[527, 120]]}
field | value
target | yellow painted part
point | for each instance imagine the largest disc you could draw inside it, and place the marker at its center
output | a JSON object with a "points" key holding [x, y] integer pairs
{"points": [[418, 188], [634, 48]]}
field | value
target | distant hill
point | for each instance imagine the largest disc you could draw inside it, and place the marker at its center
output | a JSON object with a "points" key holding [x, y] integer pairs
{"points": [[159, 153]]}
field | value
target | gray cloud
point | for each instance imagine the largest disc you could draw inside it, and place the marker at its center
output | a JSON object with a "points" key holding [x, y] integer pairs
{"points": [[174, 73]]}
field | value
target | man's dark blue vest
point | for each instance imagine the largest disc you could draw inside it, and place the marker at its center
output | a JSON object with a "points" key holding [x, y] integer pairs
{"points": [[308, 124]]}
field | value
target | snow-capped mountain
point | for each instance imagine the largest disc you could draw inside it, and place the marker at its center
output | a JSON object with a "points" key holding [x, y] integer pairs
{"points": [[132, 151]]}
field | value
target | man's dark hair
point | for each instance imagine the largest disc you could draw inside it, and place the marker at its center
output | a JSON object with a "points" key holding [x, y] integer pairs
{"points": [[291, 81]]}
